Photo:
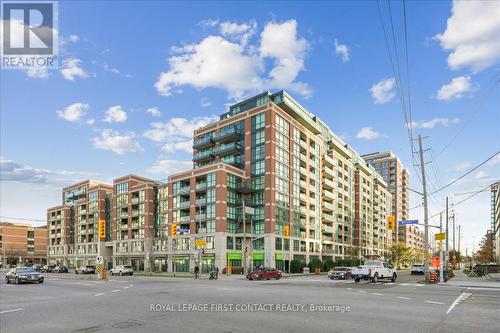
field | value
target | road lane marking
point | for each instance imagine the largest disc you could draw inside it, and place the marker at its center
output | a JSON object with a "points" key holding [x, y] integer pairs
{"points": [[362, 291], [349, 288], [390, 283], [379, 294], [459, 299], [432, 302], [404, 284], [12, 310], [130, 285], [100, 294], [126, 287], [405, 298], [116, 290]]}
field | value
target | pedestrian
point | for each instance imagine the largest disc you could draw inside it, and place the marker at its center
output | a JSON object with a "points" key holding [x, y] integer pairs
{"points": [[216, 272], [196, 271]]}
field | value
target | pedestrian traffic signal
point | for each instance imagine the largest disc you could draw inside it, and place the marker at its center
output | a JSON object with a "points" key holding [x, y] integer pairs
{"points": [[173, 229], [286, 231], [391, 222], [102, 229]]}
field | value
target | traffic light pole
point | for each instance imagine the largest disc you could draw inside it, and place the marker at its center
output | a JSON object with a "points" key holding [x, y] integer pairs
{"points": [[441, 248]]}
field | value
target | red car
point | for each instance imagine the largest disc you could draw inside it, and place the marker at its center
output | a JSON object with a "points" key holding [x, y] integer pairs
{"points": [[264, 273]]}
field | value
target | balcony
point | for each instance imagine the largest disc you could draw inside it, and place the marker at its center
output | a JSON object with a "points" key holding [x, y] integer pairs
{"points": [[328, 229], [303, 184], [328, 218], [303, 197], [328, 207], [203, 156], [304, 171], [135, 213], [235, 161], [135, 201], [123, 215], [123, 226], [201, 202], [185, 219], [184, 204], [201, 186], [328, 194], [228, 134], [184, 190], [327, 160], [328, 184], [200, 217], [204, 142], [229, 148], [82, 212]]}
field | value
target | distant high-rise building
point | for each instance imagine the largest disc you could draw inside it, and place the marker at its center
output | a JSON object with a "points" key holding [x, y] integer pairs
{"points": [[396, 176]]}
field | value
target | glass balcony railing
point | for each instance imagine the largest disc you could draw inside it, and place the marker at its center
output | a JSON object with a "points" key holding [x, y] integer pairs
{"points": [[203, 142], [184, 204], [228, 134], [184, 190], [201, 186], [204, 155], [201, 202], [228, 148]]}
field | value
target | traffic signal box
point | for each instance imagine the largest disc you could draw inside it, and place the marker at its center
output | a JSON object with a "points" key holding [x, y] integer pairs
{"points": [[286, 231], [391, 222], [173, 229], [102, 229]]}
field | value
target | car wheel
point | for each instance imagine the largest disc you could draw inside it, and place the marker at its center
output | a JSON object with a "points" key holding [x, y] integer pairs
{"points": [[357, 279], [278, 277], [393, 279], [121, 273], [375, 278], [111, 273], [331, 278], [7, 280], [41, 281], [17, 281]]}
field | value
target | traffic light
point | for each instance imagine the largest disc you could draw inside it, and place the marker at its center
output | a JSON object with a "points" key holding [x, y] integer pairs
{"points": [[102, 229], [391, 222], [173, 229], [286, 231]]}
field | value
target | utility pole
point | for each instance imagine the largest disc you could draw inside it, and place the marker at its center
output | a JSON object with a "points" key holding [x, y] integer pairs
{"points": [[441, 248], [446, 222], [245, 252], [453, 225], [424, 192], [459, 230]]}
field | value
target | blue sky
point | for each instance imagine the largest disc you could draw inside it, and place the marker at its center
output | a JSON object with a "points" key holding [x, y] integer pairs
{"points": [[109, 111]]}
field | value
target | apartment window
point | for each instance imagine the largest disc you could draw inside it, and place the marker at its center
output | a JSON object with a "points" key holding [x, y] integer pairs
{"points": [[258, 121], [258, 168], [121, 188], [258, 153], [258, 138], [279, 244], [296, 245], [93, 196], [230, 243]]}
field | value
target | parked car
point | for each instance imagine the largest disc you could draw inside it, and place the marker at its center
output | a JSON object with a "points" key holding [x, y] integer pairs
{"points": [[88, 269], [47, 268], [340, 273], [375, 270], [121, 270], [37, 267], [264, 273], [417, 269], [23, 274], [60, 269]]}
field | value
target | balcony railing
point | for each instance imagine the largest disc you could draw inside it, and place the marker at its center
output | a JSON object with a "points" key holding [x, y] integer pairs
{"points": [[328, 206], [327, 229], [184, 204], [200, 217], [135, 201], [228, 134], [328, 184], [204, 155], [201, 186], [228, 148], [328, 218], [204, 142], [184, 190], [186, 218], [201, 202]]}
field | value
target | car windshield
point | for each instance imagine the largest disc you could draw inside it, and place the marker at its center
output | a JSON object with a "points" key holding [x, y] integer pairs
{"points": [[340, 268], [417, 265], [127, 267], [25, 270]]}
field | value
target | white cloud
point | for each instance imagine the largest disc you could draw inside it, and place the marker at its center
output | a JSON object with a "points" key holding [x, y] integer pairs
{"points": [[117, 143], [239, 68], [240, 33], [472, 35], [90, 122], [38, 73], [115, 114], [464, 166], [383, 91], [176, 129], [455, 89], [342, 50], [115, 71], [12, 171], [482, 175], [434, 122], [154, 111], [73, 112], [367, 133], [205, 102], [172, 147], [169, 167], [73, 38], [71, 69], [209, 23]]}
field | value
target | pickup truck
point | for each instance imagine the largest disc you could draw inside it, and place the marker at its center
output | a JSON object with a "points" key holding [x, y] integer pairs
{"points": [[374, 271]]}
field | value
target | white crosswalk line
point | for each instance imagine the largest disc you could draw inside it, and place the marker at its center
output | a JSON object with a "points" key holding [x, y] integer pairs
{"points": [[405, 298], [432, 302]]}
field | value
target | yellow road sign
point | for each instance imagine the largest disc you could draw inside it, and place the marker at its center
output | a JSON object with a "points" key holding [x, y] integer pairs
{"points": [[200, 242], [440, 236]]}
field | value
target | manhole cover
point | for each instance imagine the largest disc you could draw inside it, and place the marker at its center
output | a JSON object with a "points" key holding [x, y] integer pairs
{"points": [[126, 324]]}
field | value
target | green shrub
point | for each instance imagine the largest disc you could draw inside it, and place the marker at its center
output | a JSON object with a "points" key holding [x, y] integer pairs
{"points": [[315, 263], [327, 265], [296, 266]]}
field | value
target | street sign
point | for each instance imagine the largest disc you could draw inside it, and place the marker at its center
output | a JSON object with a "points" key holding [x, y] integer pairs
{"points": [[440, 236], [200, 242], [99, 260], [408, 222]]}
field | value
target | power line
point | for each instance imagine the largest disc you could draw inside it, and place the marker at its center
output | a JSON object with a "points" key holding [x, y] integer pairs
{"points": [[469, 197], [21, 219], [468, 172]]}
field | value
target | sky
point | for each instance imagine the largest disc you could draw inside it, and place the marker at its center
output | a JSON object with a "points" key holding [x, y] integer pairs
{"points": [[136, 78]]}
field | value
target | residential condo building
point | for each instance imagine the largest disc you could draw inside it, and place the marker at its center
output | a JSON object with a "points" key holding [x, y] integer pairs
{"points": [[22, 243], [270, 183]]}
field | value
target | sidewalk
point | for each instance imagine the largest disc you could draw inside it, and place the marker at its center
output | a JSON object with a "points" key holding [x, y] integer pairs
{"points": [[462, 280]]}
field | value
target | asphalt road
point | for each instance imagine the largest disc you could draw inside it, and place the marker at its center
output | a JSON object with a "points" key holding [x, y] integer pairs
{"points": [[232, 304]]}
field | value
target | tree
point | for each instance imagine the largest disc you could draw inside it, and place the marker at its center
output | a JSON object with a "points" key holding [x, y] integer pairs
{"points": [[453, 254], [398, 253], [352, 252], [485, 253]]}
